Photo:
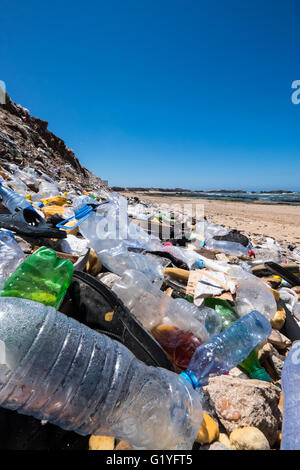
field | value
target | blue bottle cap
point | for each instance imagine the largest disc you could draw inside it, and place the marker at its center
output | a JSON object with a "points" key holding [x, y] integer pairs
{"points": [[200, 263], [190, 377]]}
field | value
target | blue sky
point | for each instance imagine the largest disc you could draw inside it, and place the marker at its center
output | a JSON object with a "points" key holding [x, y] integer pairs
{"points": [[165, 93]]}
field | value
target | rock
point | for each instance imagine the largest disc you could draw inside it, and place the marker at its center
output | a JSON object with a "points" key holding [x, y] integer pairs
{"points": [[248, 438], [272, 281], [101, 443], [236, 372], [224, 439], [209, 430], [123, 445], [279, 319], [279, 340], [280, 404], [274, 360], [241, 402], [25, 246], [218, 446]]}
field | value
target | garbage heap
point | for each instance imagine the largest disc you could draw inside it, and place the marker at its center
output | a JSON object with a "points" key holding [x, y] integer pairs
{"points": [[124, 326]]}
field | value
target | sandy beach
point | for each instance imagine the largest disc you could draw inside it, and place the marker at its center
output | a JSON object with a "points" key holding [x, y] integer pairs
{"points": [[278, 221]]}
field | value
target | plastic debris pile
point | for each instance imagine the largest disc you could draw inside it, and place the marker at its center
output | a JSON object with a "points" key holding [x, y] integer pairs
{"points": [[120, 319]]}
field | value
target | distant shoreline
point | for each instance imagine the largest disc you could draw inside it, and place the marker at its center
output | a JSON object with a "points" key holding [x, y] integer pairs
{"points": [[200, 191], [275, 197], [279, 221]]}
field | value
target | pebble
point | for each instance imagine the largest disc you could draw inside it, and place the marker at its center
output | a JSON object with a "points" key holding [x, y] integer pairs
{"points": [[248, 438]]}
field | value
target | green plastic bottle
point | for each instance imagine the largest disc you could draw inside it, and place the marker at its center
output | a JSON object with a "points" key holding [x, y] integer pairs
{"points": [[255, 370], [224, 309], [251, 364], [42, 277]]}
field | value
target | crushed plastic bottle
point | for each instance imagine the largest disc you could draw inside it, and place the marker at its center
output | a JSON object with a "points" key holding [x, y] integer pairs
{"points": [[47, 189], [268, 251], [42, 277], [61, 371], [291, 399], [252, 294], [189, 257], [11, 255], [228, 349], [251, 364], [106, 228], [177, 325]]}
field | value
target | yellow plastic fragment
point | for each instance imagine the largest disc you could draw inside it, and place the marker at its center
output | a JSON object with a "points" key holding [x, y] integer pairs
{"points": [[209, 430], [101, 443], [94, 264], [56, 200]]}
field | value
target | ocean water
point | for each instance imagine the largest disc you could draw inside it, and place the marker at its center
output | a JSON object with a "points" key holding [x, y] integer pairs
{"points": [[259, 197]]}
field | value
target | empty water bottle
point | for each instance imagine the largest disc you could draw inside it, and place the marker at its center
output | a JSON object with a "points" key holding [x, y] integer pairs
{"points": [[227, 349], [252, 294], [291, 399], [251, 364], [59, 370], [231, 248], [189, 257], [12, 200], [107, 229], [11, 255], [179, 326]]}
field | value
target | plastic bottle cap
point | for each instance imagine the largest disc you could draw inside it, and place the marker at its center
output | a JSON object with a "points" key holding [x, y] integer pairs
{"points": [[168, 244], [200, 263], [190, 378]]}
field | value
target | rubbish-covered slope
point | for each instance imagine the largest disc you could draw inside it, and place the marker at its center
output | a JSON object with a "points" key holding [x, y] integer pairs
{"points": [[26, 141]]}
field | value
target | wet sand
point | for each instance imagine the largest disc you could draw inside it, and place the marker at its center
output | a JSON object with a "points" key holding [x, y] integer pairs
{"points": [[278, 221]]}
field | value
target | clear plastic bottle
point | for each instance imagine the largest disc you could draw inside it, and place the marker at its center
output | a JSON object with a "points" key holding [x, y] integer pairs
{"points": [[178, 325], [267, 254], [12, 200], [47, 189], [107, 229], [227, 349], [231, 248], [252, 294], [189, 257], [59, 370], [207, 230], [11, 256], [251, 364], [291, 398]]}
